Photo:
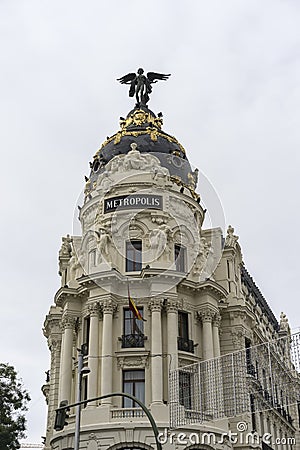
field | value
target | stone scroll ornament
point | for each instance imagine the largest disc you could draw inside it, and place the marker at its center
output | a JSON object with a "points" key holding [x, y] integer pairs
{"points": [[140, 84]]}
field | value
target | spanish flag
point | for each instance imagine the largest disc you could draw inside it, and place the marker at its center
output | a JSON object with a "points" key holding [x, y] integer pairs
{"points": [[133, 308]]}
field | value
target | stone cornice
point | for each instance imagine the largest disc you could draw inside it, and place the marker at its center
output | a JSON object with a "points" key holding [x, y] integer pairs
{"points": [[186, 360], [242, 314], [66, 293], [210, 286], [248, 281], [52, 324]]}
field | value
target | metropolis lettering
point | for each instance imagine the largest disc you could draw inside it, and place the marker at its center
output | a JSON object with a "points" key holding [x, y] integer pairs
{"points": [[135, 201]]}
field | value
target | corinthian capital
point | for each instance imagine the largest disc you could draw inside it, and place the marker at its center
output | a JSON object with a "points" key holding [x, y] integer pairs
{"points": [[94, 309], [206, 314], [155, 305], [217, 319], [172, 306], [109, 307], [68, 321]]}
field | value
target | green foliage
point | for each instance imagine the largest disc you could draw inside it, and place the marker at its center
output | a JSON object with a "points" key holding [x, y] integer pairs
{"points": [[13, 404]]}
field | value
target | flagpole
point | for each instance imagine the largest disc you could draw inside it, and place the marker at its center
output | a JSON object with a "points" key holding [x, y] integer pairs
{"points": [[131, 313]]}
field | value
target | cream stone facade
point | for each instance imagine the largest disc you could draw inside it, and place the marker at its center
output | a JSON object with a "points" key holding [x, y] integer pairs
{"points": [[142, 233]]}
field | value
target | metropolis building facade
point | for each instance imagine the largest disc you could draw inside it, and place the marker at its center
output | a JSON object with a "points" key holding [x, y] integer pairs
{"points": [[209, 358]]}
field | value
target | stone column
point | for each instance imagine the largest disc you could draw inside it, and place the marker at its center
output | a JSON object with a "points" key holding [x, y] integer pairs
{"points": [[93, 360], [54, 342], [206, 315], [172, 348], [209, 369], [68, 324], [106, 366], [172, 328], [216, 337], [156, 350]]}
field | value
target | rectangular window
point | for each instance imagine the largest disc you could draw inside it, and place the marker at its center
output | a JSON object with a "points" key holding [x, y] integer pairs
{"points": [[92, 259], [86, 332], [183, 325], [184, 343], [252, 408], [134, 384], [250, 367], [134, 256], [180, 256], [133, 329], [185, 394], [84, 390]]}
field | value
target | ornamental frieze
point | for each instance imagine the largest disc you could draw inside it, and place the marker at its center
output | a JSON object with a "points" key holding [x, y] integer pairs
{"points": [[125, 362]]}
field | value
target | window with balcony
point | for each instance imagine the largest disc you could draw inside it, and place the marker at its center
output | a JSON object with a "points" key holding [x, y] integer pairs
{"points": [[133, 330], [134, 384], [134, 256], [180, 257], [184, 343]]}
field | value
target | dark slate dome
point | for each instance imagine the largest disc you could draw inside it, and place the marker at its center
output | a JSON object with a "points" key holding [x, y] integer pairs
{"points": [[143, 127]]}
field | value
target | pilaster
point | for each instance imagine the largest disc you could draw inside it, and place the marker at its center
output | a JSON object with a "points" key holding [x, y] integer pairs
{"points": [[68, 326], [156, 351]]}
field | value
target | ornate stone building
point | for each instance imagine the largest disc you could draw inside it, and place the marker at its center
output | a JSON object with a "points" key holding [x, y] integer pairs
{"points": [[142, 234]]}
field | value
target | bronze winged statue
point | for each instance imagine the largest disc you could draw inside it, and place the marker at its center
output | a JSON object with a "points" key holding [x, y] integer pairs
{"points": [[140, 84]]}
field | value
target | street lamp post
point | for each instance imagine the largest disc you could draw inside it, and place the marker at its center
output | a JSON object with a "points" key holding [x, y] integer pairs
{"points": [[81, 371]]}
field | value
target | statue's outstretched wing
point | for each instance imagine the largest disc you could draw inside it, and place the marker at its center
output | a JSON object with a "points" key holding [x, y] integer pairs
{"points": [[153, 76], [126, 79]]}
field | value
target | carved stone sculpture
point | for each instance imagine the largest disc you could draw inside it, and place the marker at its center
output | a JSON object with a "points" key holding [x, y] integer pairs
{"points": [[160, 172], [284, 323], [104, 182], [66, 247], [73, 266], [201, 258], [102, 241], [133, 159], [158, 241], [231, 239]]}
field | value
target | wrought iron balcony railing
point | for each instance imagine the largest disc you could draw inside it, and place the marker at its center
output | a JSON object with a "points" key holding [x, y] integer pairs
{"points": [[186, 345], [133, 340]]}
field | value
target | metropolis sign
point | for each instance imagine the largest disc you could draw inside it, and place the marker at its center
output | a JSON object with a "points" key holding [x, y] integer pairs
{"points": [[134, 201]]}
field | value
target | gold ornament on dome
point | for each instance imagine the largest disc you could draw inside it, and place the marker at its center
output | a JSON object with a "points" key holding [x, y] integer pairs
{"points": [[153, 135], [140, 117]]}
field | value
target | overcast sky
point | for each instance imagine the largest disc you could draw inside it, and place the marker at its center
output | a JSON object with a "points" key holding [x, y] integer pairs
{"points": [[233, 101]]}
